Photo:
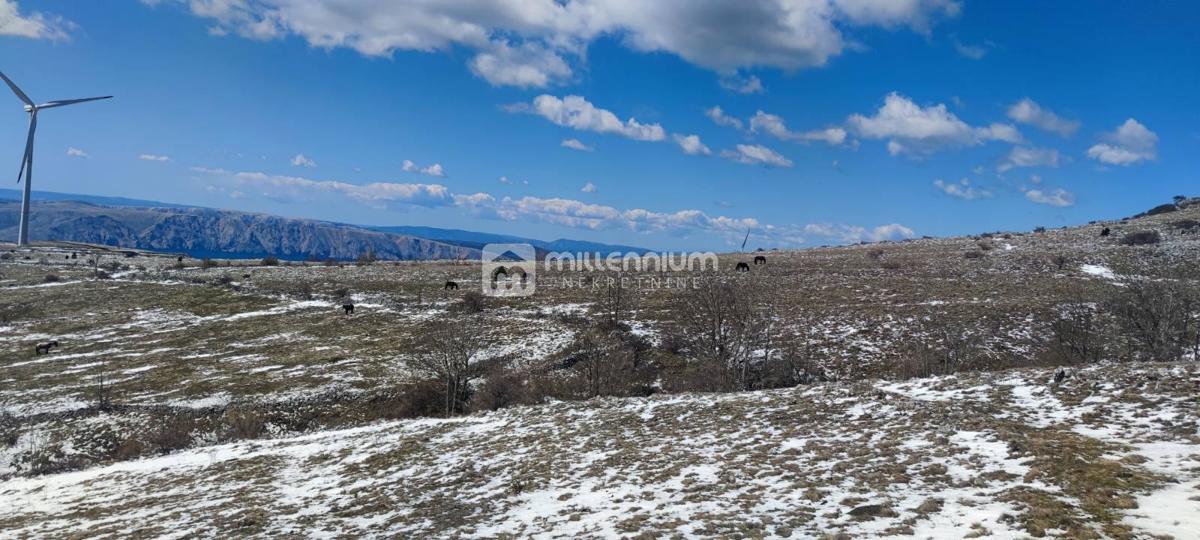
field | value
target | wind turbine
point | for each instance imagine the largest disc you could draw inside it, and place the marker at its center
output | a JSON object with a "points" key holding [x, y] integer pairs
{"points": [[27, 158]]}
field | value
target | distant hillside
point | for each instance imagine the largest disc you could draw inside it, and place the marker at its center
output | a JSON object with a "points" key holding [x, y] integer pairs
{"points": [[202, 232], [477, 240], [471, 240]]}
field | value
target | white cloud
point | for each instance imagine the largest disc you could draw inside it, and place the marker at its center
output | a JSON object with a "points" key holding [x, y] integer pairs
{"points": [[753, 154], [721, 119], [851, 233], [75, 152], [153, 157], [588, 188], [691, 144], [1029, 112], [1130, 143], [1023, 156], [301, 161], [742, 85], [578, 113], [973, 52], [1055, 197], [525, 65], [961, 189], [565, 212], [533, 42], [32, 25], [774, 125], [576, 144], [376, 194], [432, 170], [915, 130]]}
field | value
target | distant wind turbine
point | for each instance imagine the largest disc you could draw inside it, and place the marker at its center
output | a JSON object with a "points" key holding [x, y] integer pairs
{"points": [[27, 158]]}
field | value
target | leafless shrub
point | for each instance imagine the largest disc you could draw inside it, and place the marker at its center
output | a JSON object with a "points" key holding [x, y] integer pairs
{"points": [[367, 258], [612, 299], [206, 263], [1157, 318], [51, 278], [1059, 261], [606, 365], [875, 254], [1077, 335], [973, 254], [726, 324], [270, 260], [450, 355], [891, 265], [244, 423], [949, 349], [471, 302], [1141, 238], [173, 433]]}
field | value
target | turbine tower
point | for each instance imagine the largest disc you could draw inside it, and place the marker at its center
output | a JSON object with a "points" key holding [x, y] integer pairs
{"points": [[27, 159]]}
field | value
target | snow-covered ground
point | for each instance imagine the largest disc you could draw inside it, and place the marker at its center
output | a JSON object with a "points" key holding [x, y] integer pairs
{"points": [[949, 457]]}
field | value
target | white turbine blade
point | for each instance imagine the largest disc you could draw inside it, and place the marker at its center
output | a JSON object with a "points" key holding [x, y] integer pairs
{"points": [[21, 95], [61, 102], [28, 147]]}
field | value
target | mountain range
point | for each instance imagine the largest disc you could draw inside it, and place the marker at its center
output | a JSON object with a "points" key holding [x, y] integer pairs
{"points": [[207, 232]]}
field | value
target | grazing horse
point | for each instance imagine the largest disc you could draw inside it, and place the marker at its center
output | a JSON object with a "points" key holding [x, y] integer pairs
{"points": [[450, 286], [759, 259], [349, 308], [1105, 232], [1059, 375], [44, 348], [742, 267]]}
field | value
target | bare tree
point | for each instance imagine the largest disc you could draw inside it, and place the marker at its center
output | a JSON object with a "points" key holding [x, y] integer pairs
{"points": [[611, 300], [451, 354], [605, 364], [1158, 317], [1077, 335], [726, 323]]}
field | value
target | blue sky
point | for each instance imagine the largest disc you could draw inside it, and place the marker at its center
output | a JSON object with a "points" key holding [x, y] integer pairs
{"points": [[840, 120]]}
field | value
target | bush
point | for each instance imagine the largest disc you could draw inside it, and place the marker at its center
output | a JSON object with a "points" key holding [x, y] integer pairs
{"points": [[270, 260], [472, 302], [51, 278], [890, 265], [973, 254], [244, 423], [875, 254], [207, 263], [173, 433], [1142, 238]]}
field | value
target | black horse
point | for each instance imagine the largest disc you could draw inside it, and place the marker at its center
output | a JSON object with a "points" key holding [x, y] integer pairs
{"points": [[742, 267], [1106, 232], [44, 348], [349, 308], [759, 260], [450, 286]]}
